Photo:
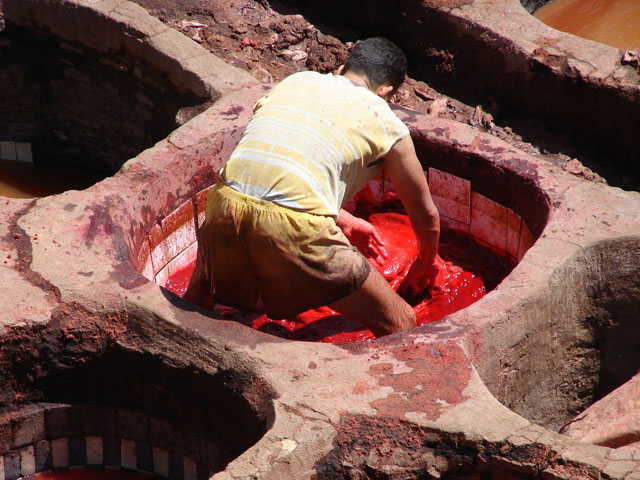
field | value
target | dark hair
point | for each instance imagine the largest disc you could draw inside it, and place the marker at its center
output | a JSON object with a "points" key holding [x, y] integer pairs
{"points": [[380, 60]]}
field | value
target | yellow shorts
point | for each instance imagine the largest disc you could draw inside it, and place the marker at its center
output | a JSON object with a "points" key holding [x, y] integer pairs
{"points": [[258, 255]]}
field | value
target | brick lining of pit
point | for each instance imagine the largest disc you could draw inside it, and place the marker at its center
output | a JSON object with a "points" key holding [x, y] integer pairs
{"points": [[370, 447]]}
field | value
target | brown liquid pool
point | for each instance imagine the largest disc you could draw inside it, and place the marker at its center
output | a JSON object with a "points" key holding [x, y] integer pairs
{"points": [[87, 473], [26, 180], [613, 22], [474, 270]]}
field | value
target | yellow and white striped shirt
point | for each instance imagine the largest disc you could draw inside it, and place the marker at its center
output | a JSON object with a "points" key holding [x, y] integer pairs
{"points": [[313, 143]]}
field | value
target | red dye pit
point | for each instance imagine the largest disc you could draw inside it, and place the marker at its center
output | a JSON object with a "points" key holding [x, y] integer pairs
{"points": [[473, 271]]}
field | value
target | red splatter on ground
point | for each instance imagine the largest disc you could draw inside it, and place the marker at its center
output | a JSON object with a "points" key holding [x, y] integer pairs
{"points": [[435, 379], [454, 290]]}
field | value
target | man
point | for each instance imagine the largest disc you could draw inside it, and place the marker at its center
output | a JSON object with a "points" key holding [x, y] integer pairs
{"points": [[274, 235]]}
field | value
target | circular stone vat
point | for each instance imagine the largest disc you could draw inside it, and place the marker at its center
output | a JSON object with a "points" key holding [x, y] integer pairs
{"points": [[105, 403], [80, 93], [576, 341], [496, 207]]}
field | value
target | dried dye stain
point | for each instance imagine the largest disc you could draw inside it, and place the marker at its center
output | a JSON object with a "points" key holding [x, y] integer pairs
{"points": [[432, 377]]}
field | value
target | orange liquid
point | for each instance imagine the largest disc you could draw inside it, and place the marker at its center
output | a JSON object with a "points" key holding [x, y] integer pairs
{"points": [[25, 180], [613, 22]]}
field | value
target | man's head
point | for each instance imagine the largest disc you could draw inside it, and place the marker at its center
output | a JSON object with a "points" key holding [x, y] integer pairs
{"points": [[380, 61]]}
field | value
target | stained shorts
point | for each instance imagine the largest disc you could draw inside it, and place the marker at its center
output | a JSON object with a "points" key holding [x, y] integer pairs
{"points": [[258, 255]]}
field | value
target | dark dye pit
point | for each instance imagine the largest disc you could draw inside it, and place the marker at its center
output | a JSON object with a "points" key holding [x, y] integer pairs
{"points": [[472, 271], [82, 112]]}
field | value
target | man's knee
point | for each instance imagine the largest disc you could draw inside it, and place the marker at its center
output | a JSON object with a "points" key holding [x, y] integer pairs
{"points": [[407, 317], [378, 307]]}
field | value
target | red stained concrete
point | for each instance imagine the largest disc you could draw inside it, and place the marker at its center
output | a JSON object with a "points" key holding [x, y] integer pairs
{"points": [[435, 379]]}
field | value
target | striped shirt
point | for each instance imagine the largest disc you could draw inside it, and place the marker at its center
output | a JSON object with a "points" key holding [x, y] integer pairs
{"points": [[313, 143]]}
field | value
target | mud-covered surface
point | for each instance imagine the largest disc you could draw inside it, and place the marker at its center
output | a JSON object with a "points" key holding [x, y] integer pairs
{"points": [[428, 370], [272, 40], [384, 448]]}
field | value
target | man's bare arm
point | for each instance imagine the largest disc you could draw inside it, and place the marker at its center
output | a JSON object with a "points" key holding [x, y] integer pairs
{"points": [[362, 235], [407, 176]]}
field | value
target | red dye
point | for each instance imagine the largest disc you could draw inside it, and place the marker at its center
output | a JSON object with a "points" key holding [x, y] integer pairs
{"points": [[84, 473], [471, 272]]}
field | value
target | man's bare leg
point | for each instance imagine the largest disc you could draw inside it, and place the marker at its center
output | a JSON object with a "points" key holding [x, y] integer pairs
{"points": [[199, 290], [377, 306]]}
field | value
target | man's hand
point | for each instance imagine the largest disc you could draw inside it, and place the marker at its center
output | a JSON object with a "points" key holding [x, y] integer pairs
{"points": [[422, 276], [363, 236]]}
